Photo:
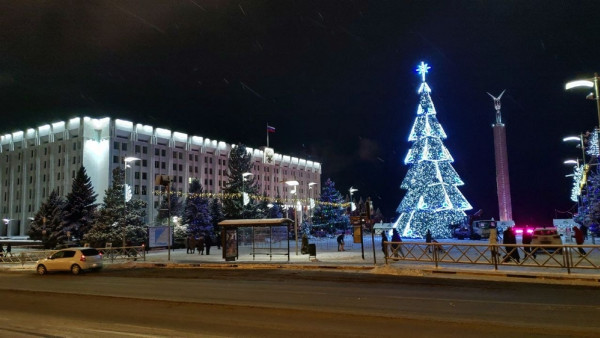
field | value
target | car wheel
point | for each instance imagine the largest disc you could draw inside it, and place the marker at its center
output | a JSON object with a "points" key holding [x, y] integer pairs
{"points": [[41, 270], [75, 269]]}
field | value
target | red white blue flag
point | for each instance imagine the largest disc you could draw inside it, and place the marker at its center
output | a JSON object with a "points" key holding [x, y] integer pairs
{"points": [[270, 129]]}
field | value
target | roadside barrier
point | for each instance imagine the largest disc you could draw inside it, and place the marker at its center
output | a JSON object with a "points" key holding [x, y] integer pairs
{"points": [[538, 256]]}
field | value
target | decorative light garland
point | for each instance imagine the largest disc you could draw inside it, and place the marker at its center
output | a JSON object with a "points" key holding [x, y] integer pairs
{"points": [[223, 196]]}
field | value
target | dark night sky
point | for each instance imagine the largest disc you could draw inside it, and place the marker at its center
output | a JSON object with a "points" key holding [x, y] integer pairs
{"points": [[336, 78]]}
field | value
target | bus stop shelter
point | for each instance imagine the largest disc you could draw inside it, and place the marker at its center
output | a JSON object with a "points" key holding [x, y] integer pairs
{"points": [[231, 239]]}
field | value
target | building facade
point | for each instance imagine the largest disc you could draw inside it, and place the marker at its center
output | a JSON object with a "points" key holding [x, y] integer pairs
{"points": [[36, 161]]}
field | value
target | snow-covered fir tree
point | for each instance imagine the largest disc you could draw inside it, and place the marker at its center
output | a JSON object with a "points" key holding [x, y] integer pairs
{"points": [[240, 162], [196, 213], [112, 219], [80, 208], [46, 225], [432, 201], [329, 213], [163, 207], [216, 214]]}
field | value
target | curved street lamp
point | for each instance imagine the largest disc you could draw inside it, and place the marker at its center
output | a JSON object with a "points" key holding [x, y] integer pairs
{"points": [[588, 83]]}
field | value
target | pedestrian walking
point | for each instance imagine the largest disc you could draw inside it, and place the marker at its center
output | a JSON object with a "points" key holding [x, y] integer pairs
{"points": [[8, 250], [208, 243], [512, 252], [340, 241], [428, 240], [200, 245], [384, 239], [578, 234], [396, 247], [526, 239], [493, 241], [188, 244], [192, 244]]}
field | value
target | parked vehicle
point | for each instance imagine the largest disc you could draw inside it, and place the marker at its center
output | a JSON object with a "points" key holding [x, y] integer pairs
{"points": [[75, 260], [546, 236], [519, 230]]}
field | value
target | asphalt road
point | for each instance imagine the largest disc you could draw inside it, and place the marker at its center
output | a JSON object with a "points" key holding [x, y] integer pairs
{"points": [[278, 302]]}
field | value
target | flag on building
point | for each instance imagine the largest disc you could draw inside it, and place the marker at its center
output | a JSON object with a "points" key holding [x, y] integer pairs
{"points": [[270, 129]]}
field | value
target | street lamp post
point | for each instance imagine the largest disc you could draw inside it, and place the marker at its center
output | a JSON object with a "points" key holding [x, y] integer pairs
{"points": [[126, 160], [295, 184], [589, 83], [311, 199]]}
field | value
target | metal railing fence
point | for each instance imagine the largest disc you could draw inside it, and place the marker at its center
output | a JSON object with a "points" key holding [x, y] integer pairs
{"points": [[538, 256]]}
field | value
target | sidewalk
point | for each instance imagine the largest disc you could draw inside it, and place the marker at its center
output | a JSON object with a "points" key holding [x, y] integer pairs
{"points": [[329, 259]]}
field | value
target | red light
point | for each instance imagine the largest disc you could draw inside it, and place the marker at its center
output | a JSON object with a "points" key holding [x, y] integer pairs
{"points": [[82, 258], [519, 231], [529, 231]]}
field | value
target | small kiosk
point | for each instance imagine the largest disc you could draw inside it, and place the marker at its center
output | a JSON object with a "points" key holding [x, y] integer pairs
{"points": [[230, 235]]}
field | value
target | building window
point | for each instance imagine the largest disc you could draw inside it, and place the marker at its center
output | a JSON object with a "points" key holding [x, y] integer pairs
{"points": [[156, 164], [174, 166], [181, 167], [163, 152], [163, 165], [115, 159], [144, 163], [137, 175], [144, 190], [144, 150], [144, 176], [123, 146], [181, 156], [156, 152], [116, 145], [136, 190], [137, 149], [190, 157]]}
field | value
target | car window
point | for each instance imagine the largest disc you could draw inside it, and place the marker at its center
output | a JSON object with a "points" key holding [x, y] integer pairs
{"points": [[59, 254], [90, 252], [69, 254]]}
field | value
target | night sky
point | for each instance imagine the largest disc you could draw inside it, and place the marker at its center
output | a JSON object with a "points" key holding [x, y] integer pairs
{"points": [[336, 78]]}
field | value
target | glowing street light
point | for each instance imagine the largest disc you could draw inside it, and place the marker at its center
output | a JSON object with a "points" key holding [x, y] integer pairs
{"points": [[588, 83], [295, 184], [575, 162]]}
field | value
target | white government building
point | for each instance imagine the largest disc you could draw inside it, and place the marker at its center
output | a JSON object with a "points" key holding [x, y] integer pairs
{"points": [[38, 160]]}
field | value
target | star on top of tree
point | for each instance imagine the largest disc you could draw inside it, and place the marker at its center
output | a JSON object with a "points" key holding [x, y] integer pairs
{"points": [[423, 69]]}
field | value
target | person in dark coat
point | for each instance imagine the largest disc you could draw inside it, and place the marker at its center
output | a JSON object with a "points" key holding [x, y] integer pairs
{"points": [[578, 234], [208, 243], [200, 245], [527, 238], [188, 244], [219, 241], [340, 241], [383, 245], [9, 249], [512, 252], [396, 247], [428, 240]]}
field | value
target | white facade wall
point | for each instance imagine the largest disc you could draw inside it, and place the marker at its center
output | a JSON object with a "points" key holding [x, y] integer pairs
{"points": [[35, 161]]}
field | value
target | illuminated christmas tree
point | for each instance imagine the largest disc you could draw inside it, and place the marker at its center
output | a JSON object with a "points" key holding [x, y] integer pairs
{"points": [[432, 201]]}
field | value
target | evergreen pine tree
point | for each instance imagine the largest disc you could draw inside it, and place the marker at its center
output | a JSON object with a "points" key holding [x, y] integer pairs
{"points": [[47, 222], [80, 208], [196, 212], [163, 208], [216, 214], [329, 213], [239, 163], [432, 201], [112, 221], [276, 211]]}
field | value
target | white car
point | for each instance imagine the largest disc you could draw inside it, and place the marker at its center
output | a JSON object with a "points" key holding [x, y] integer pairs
{"points": [[71, 259], [546, 236]]}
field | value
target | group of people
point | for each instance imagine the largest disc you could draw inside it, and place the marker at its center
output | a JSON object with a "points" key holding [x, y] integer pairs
{"points": [[204, 242], [512, 251]]}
